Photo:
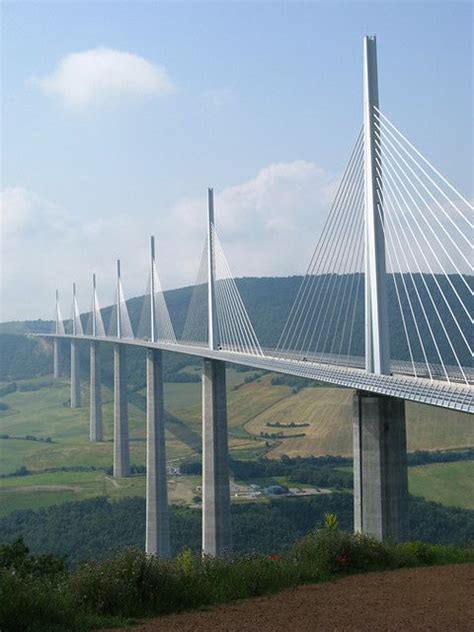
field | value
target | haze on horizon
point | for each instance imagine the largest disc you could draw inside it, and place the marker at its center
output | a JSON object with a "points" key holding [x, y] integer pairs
{"points": [[116, 118]]}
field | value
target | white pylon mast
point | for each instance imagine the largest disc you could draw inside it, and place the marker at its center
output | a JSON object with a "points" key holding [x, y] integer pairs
{"points": [[377, 349], [211, 301], [152, 289], [57, 312], [119, 298], [74, 309], [94, 307]]}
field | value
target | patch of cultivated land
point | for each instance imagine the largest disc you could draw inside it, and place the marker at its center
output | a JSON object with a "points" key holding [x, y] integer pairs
{"points": [[445, 483], [413, 600], [45, 413], [328, 411]]}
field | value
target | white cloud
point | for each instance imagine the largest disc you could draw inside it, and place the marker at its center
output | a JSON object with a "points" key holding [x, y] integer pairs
{"points": [[104, 75], [268, 226], [44, 247], [22, 211]]}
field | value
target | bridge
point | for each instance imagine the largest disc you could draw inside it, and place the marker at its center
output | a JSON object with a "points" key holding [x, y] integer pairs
{"points": [[385, 308]]}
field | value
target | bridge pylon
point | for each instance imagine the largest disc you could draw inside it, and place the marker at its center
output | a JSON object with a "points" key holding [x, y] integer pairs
{"points": [[57, 330], [216, 524], [377, 350], [157, 528], [379, 425], [95, 415], [75, 370], [121, 432]]}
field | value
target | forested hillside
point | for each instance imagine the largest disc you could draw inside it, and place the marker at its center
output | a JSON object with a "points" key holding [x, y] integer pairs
{"points": [[95, 528]]}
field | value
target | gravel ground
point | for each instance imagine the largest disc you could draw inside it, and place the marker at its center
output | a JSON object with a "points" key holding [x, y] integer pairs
{"points": [[421, 599]]}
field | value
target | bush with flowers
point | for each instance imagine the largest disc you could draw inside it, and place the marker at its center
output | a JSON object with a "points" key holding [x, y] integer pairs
{"points": [[39, 594]]}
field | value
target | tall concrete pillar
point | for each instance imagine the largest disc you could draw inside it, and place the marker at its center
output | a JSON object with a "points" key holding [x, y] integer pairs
{"points": [[380, 467], [121, 438], [75, 377], [55, 358], [216, 524], [95, 424], [157, 538]]}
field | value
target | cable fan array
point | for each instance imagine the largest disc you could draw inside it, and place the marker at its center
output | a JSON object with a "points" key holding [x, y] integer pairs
{"points": [[162, 329], [195, 330], [326, 321], [57, 324], [120, 325], [235, 331], [74, 324], [95, 323], [428, 227]]}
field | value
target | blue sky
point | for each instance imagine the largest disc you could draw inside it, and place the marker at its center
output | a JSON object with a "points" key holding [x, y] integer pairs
{"points": [[260, 100]]}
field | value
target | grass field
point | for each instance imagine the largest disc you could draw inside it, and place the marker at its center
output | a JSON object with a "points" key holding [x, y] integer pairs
{"points": [[45, 489], [445, 483], [45, 413], [329, 413]]}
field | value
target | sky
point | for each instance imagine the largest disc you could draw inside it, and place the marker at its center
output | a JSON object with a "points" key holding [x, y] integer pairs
{"points": [[117, 116]]}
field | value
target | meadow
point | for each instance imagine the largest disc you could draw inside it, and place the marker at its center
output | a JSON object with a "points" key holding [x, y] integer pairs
{"points": [[254, 406]]}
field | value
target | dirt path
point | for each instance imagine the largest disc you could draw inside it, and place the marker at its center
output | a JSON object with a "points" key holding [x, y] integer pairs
{"points": [[112, 480], [423, 599]]}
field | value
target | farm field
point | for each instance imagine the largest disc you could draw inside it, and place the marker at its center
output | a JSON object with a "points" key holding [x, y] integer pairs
{"points": [[450, 484], [445, 483], [45, 413], [52, 488], [328, 411], [252, 406]]}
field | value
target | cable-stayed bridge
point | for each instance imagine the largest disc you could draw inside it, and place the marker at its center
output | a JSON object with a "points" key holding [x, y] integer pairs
{"points": [[384, 308]]}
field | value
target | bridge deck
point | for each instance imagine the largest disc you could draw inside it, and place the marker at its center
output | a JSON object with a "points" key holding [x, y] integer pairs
{"points": [[439, 393]]}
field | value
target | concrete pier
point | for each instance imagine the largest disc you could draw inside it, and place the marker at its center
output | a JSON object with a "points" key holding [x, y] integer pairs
{"points": [[121, 438], [75, 376], [56, 359], [95, 421], [380, 467], [216, 523], [157, 538]]}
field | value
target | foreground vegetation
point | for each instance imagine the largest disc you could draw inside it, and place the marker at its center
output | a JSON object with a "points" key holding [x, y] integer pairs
{"points": [[39, 593], [97, 528]]}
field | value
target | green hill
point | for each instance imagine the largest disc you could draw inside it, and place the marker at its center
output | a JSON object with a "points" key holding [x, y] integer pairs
{"points": [[268, 301]]}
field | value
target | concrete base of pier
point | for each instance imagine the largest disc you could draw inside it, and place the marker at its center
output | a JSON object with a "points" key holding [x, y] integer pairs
{"points": [[55, 358], [380, 467], [157, 537], [95, 425], [75, 376], [216, 524], [121, 437]]}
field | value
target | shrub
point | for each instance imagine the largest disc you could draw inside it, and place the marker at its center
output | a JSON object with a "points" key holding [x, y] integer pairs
{"points": [[38, 594], [419, 553], [248, 576], [29, 603], [16, 557], [329, 551], [132, 583], [32, 591]]}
